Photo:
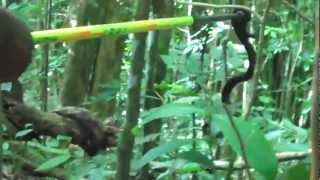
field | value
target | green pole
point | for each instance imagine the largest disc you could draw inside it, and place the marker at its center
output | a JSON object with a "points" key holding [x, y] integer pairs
{"points": [[96, 31]]}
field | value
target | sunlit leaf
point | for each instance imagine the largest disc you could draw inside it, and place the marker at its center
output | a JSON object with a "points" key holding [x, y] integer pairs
{"points": [[48, 149], [283, 147], [53, 163], [169, 110], [23, 133], [190, 168]]}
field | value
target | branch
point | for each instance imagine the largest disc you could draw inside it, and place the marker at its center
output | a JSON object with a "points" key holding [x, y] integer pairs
{"points": [[220, 6], [78, 123], [282, 157], [126, 139], [297, 11], [259, 62]]}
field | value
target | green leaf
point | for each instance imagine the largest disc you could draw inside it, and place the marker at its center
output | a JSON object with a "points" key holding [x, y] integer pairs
{"points": [[297, 172], [107, 92], [169, 110], [265, 99], [137, 131], [47, 149], [23, 133], [64, 139], [189, 168], [5, 146], [171, 60], [257, 148], [160, 150], [205, 175], [293, 147], [54, 162], [197, 157]]}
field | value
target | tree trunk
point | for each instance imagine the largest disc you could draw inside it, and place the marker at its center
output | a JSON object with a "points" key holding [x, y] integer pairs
{"points": [[108, 66], [126, 140], [315, 125], [82, 57], [160, 42]]}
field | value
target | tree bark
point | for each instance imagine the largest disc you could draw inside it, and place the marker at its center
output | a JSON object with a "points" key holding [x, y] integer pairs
{"points": [[315, 116], [108, 67], [82, 57], [259, 62], [126, 141], [78, 123], [159, 44]]}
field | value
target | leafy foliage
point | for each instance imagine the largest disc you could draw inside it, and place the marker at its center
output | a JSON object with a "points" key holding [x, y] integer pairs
{"points": [[194, 132], [169, 110]]}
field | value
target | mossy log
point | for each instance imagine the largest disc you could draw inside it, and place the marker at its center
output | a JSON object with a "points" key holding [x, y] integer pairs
{"points": [[85, 129]]}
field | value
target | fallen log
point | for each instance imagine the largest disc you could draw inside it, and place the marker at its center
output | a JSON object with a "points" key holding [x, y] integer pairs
{"points": [[78, 123]]}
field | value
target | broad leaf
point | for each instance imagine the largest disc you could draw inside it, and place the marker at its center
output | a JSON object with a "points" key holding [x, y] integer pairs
{"points": [[23, 133], [195, 156], [169, 110], [48, 149], [159, 151], [54, 162], [190, 168], [258, 150], [300, 171]]}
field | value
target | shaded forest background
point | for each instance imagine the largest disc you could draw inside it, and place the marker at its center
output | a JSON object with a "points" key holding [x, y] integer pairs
{"points": [[162, 89]]}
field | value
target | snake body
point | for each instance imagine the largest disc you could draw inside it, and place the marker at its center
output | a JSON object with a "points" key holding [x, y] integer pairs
{"points": [[240, 27]]}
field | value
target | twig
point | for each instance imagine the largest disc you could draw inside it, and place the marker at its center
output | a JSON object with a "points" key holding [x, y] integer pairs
{"points": [[282, 157], [219, 6], [242, 146], [214, 5], [297, 11], [314, 115], [259, 64], [239, 165]]}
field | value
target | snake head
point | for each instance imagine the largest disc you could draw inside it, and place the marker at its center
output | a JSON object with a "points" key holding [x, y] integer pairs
{"points": [[240, 22]]}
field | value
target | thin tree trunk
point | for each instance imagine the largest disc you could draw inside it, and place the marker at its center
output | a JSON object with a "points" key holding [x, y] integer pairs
{"points": [[126, 140], [2, 120], [83, 55], [315, 126], [254, 81], [290, 114], [160, 41], [108, 65], [45, 64]]}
